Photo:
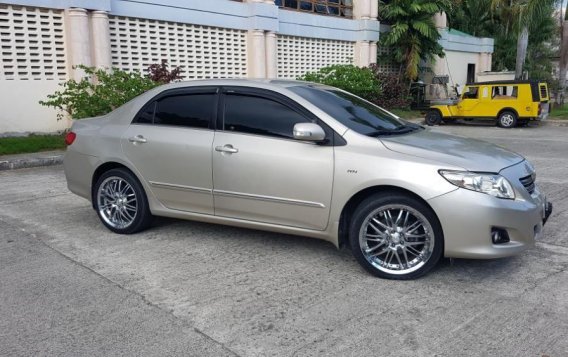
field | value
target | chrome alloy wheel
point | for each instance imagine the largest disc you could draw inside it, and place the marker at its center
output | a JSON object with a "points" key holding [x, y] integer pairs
{"points": [[396, 239], [116, 202], [507, 120]]}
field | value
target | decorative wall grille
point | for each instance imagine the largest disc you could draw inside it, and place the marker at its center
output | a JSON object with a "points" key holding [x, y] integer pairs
{"points": [[298, 55], [385, 61], [32, 43], [200, 51]]}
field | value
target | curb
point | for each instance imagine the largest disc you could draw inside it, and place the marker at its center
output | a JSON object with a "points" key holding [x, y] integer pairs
{"points": [[27, 162]]}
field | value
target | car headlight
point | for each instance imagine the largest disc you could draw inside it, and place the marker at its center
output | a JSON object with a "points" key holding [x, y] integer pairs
{"points": [[491, 184]]}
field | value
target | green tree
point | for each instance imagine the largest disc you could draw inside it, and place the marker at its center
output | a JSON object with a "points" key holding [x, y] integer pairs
{"points": [[473, 17], [413, 36], [563, 65], [523, 16]]}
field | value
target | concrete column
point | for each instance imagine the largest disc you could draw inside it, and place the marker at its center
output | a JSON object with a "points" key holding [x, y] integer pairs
{"points": [[373, 52], [439, 66], [441, 20], [256, 56], [100, 34], [271, 54], [362, 9], [374, 9], [78, 40], [362, 53], [484, 62]]}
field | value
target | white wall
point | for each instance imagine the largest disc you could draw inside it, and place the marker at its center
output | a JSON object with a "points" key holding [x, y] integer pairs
{"points": [[21, 111], [457, 63]]}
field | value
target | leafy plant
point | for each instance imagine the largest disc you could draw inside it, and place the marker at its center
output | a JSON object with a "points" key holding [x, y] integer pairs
{"points": [[97, 93], [161, 74], [100, 91], [393, 93], [413, 36], [356, 80]]}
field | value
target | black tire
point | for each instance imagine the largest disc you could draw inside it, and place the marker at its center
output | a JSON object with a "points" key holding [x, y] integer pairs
{"points": [[118, 217], [433, 117], [507, 119], [397, 240]]}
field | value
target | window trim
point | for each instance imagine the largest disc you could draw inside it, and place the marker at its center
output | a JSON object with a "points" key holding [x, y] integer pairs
{"points": [[182, 91], [332, 138]]}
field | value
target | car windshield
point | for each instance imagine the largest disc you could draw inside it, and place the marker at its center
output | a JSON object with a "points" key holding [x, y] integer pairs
{"points": [[353, 112]]}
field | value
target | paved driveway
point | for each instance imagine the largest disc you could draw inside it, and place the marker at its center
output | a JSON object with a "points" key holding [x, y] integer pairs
{"points": [[193, 288]]}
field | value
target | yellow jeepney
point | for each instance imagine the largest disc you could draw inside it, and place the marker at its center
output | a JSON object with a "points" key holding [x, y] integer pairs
{"points": [[509, 103]]}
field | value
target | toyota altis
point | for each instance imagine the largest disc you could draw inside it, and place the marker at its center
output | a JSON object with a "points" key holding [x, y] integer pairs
{"points": [[310, 160]]}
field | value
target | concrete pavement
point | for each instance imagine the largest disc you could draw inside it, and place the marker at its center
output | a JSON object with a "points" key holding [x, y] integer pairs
{"points": [[78, 289]]}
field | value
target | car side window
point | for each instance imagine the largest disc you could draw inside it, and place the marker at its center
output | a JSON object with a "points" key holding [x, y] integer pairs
{"points": [[471, 93], [189, 110], [146, 115], [258, 115]]}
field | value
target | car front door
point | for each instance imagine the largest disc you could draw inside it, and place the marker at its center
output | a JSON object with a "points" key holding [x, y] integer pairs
{"points": [[468, 102], [260, 172], [169, 143]]}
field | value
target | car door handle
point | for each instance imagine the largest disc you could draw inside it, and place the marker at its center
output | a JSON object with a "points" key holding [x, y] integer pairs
{"points": [[138, 139], [227, 148]]}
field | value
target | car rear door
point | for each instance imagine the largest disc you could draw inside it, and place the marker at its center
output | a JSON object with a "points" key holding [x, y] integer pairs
{"points": [[169, 143], [260, 172]]}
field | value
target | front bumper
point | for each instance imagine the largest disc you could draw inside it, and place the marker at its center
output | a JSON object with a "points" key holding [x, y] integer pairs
{"points": [[467, 218]]}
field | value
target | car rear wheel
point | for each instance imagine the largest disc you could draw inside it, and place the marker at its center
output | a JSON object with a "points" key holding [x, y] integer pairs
{"points": [[507, 120], [433, 117], [121, 202], [396, 236]]}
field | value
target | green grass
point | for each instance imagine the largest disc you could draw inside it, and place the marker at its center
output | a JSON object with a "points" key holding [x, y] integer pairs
{"points": [[32, 143], [407, 113], [559, 113]]}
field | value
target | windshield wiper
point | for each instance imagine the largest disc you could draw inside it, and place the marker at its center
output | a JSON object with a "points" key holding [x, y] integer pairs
{"points": [[400, 130]]}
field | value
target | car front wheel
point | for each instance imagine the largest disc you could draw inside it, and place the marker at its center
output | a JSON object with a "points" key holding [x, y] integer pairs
{"points": [[121, 203], [396, 236], [433, 117]]}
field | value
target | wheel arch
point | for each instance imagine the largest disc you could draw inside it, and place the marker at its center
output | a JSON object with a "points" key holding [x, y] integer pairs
{"points": [[350, 206], [508, 109]]}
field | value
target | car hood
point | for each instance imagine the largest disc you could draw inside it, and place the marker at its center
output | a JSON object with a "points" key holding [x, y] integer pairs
{"points": [[471, 154]]}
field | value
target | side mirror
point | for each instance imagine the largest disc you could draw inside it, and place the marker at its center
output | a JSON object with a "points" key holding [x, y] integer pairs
{"points": [[308, 132]]}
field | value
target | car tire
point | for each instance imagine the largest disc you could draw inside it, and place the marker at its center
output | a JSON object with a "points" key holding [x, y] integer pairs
{"points": [[396, 236], [433, 117], [121, 203], [507, 120]]}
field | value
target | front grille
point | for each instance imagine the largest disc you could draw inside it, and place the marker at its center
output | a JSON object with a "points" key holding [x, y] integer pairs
{"points": [[528, 182]]}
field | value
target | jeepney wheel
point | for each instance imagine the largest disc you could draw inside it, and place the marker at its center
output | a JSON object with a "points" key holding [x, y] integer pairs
{"points": [[433, 117], [507, 120]]}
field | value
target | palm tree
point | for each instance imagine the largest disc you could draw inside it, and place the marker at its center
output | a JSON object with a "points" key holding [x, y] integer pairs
{"points": [[473, 17], [523, 15], [563, 66], [413, 36]]}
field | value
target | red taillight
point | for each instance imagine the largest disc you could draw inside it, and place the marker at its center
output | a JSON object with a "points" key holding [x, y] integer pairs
{"points": [[70, 138], [539, 108]]}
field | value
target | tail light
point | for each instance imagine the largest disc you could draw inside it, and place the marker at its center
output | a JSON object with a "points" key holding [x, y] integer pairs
{"points": [[539, 108], [70, 138]]}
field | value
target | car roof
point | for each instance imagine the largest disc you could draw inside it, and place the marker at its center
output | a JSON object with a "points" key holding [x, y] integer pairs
{"points": [[261, 82], [531, 81]]}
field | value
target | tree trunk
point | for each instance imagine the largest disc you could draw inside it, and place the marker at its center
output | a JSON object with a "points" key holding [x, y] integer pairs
{"points": [[522, 44], [563, 65]]}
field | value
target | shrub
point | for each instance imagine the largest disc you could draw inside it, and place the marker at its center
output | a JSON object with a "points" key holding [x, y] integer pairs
{"points": [[97, 93], [100, 91], [161, 74], [394, 93], [356, 80]]}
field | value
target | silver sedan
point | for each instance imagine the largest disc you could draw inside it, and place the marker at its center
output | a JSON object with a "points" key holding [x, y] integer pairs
{"points": [[310, 160]]}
